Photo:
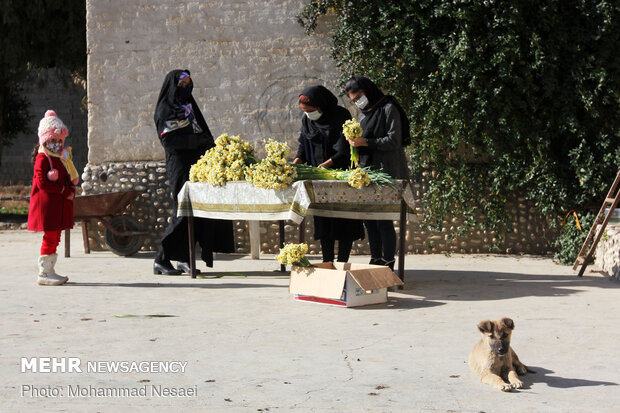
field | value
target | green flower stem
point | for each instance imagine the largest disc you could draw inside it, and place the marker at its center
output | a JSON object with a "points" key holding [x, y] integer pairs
{"points": [[303, 263], [355, 157], [306, 172]]}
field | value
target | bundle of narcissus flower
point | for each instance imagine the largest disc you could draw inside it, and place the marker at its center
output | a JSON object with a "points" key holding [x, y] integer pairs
{"points": [[232, 159], [294, 254], [273, 172], [353, 130], [227, 161], [357, 178]]}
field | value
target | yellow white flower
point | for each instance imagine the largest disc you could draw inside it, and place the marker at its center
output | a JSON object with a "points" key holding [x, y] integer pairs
{"points": [[227, 161], [273, 172], [294, 254], [358, 178], [352, 130]]}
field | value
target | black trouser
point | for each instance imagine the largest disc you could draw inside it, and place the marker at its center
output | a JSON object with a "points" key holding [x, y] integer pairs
{"points": [[382, 239], [327, 248]]}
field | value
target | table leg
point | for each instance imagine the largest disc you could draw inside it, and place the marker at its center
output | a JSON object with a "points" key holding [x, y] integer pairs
{"points": [[302, 231], [192, 247], [67, 243], [401, 244], [85, 236], [254, 227], [281, 228]]}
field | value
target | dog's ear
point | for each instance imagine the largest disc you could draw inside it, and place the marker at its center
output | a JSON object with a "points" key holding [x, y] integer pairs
{"points": [[508, 323], [485, 326]]}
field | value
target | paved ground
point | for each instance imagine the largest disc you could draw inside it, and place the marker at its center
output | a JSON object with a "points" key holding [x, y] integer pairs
{"points": [[249, 347]]}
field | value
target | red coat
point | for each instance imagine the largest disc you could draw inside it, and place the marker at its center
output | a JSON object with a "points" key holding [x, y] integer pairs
{"points": [[50, 210]]}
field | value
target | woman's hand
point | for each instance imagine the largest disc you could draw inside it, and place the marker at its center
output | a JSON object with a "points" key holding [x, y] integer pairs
{"points": [[358, 142], [327, 164], [297, 161]]}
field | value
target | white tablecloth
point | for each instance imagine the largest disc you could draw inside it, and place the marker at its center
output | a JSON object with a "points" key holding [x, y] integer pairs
{"points": [[243, 201]]}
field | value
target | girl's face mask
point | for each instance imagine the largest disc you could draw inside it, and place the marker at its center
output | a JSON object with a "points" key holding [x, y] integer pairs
{"points": [[54, 147]]}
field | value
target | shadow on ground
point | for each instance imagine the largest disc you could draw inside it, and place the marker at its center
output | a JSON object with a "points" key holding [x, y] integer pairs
{"points": [[400, 303], [545, 376], [202, 281], [174, 285], [484, 285]]}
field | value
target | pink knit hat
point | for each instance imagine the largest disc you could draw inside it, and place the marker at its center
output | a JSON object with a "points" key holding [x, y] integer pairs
{"points": [[51, 127]]}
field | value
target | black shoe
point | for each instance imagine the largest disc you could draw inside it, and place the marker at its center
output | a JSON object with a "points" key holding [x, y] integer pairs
{"points": [[381, 261], [376, 261], [388, 264], [165, 269], [184, 267]]}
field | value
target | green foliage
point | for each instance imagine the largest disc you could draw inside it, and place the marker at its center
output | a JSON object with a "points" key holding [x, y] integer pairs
{"points": [[571, 238], [14, 210], [505, 98], [36, 34], [44, 33], [14, 114]]}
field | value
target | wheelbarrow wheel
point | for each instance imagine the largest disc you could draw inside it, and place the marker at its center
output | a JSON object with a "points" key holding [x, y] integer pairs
{"points": [[123, 245]]}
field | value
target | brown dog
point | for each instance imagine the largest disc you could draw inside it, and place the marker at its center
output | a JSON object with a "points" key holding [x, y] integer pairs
{"points": [[493, 359]]}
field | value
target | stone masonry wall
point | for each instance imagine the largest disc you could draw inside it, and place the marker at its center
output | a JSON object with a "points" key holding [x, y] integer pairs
{"points": [[607, 254], [152, 210], [248, 59]]}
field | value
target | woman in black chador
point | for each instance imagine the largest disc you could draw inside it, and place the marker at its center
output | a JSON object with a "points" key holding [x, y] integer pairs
{"points": [[322, 144], [381, 147], [185, 136]]}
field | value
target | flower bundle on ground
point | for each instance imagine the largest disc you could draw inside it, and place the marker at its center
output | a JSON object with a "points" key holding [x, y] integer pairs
{"points": [[357, 178], [353, 130], [273, 172], [294, 254], [227, 161]]}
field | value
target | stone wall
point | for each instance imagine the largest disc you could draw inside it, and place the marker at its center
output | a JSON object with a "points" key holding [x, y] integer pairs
{"points": [[607, 253], [47, 89], [530, 234], [249, 60], [152, 211]]}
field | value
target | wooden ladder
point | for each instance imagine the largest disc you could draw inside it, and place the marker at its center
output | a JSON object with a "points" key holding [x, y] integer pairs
{"points": [[611, 200]]}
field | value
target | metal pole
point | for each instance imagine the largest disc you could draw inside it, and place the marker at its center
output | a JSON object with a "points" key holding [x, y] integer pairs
{"points": [[192, 246], [281, 228], [67, 243], [401, 244]]}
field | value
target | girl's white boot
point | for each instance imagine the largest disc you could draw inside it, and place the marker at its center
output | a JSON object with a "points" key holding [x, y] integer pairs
{"points": [[47, 275]]}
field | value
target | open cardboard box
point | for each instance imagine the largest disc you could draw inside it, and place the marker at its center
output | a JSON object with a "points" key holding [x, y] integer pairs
{"points": [[342, 284]]}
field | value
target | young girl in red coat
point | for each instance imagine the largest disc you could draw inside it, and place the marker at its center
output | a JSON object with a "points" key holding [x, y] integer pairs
{"points": [[53, 189]]}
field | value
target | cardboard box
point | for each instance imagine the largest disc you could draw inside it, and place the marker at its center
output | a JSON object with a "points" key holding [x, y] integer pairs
{"points": [[342, 284]]}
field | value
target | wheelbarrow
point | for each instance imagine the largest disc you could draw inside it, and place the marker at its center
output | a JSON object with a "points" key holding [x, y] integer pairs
{"points": [[123, 235]]}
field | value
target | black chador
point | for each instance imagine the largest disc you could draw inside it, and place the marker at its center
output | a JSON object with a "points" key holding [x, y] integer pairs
{"points": [[185, 136]]}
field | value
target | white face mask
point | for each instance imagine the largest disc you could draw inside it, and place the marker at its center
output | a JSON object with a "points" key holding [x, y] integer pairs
{"points": [[313, 115], [362, 102]]}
